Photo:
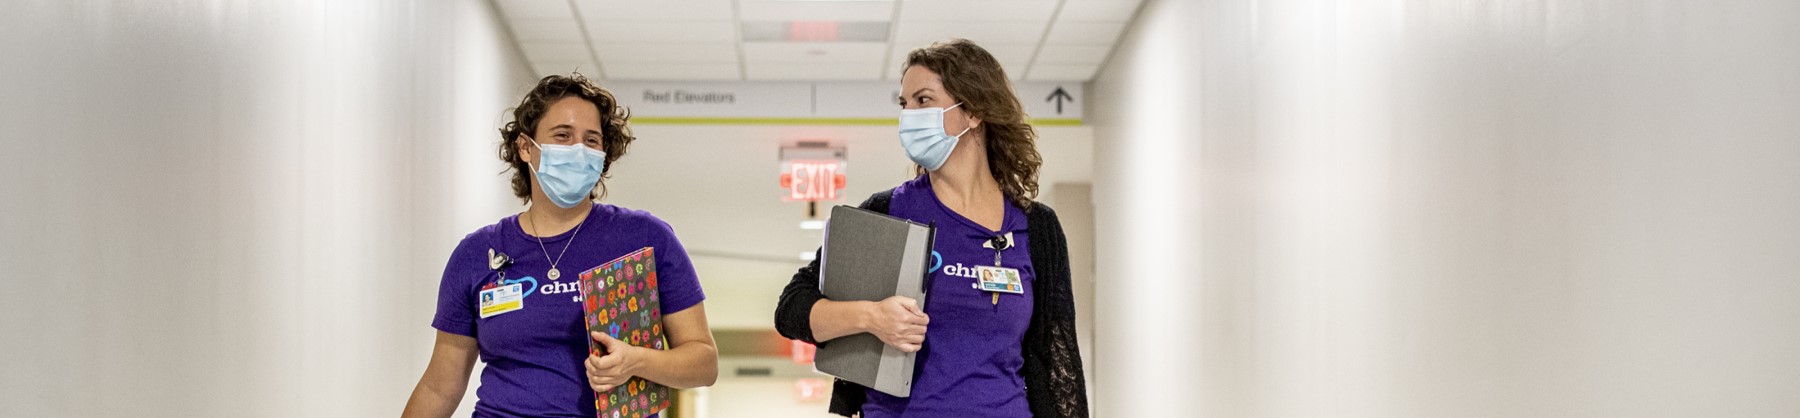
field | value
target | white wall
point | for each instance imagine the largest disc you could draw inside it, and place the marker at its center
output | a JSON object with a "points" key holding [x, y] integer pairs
{"points": [[1460, 208], [238, 208]]}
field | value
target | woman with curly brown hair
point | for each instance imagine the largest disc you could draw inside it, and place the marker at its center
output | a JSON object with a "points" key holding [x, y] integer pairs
{"points": [[510, 294], [996, 337]]}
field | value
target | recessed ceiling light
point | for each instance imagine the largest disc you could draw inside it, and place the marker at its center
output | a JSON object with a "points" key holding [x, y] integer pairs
{"points": [[814, 31]]}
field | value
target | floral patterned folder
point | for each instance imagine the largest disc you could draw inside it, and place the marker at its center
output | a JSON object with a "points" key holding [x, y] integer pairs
{"points": [[619, 299]]}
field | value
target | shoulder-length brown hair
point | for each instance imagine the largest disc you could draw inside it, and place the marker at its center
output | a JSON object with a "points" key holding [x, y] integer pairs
{"points": [[615, 134], [973, 76]]}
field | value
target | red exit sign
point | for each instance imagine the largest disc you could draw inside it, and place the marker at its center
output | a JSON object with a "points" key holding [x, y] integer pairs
{"points": [[812, 180]]}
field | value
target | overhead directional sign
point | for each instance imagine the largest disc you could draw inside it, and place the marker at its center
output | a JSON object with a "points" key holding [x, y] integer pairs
{"points": [[870, 103], [1059, 95], [1033, 95]]}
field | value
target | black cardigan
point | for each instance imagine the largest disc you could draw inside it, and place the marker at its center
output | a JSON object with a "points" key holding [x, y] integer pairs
{"points": [[1054, 384]]}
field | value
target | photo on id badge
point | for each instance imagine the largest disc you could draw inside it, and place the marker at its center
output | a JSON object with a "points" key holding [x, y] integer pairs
{"points": [[1000, 279], [501, 299]]}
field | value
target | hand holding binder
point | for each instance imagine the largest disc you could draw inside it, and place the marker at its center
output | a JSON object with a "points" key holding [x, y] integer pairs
{"points": [[870, 256], [900, 322]]}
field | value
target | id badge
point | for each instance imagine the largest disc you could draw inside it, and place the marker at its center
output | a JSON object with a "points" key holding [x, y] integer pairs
{"points": [[999, 279], [502, 299]]}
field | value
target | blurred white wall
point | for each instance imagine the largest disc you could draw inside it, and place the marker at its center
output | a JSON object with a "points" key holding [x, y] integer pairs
{"points": [[238, 208], [1443, 208]]}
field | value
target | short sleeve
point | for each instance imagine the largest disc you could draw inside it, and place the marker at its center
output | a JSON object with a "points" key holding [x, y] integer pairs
{"points": [[678, 285], [456, 291]]}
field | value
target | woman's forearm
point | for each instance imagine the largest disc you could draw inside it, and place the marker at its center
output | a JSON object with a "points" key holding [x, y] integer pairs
{"points": [[430, 401], [832, 319], [446, 378]]}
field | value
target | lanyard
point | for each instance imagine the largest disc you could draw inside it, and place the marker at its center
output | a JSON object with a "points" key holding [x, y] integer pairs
{"points": [[999, 243], [498, 261]]}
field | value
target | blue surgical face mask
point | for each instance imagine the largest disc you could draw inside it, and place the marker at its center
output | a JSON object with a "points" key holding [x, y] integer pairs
{"points": [[568, 173], [922, 134]]}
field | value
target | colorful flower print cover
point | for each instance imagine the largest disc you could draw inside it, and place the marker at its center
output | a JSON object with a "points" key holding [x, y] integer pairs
{"points": [[619, 299]]}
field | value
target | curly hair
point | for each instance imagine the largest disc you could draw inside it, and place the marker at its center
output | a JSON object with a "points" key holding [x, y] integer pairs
{"points": [[615, 134], [973, 76]]}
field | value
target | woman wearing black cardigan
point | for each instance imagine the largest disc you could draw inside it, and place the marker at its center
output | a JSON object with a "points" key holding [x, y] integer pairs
{"points": [[997, 335]]}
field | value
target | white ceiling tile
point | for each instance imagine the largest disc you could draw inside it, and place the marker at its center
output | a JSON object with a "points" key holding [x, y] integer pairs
{"points": [[555, 51], [918, 34], [1062, 72], [671, 71], [586, 67], [645, 52], [814, 52], [1084, 33], [654, 9], [1072, 54], [812, 71], [786, 10], [554, 30], [976, 10], [1116, 11], [532, 9], [662, 31]]}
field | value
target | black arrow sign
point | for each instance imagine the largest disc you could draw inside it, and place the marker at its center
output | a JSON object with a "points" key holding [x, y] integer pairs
{"points": [[1059, 95]]}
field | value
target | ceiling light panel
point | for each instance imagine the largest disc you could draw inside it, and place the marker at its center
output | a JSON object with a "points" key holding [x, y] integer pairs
{"points": [[815, 31]]}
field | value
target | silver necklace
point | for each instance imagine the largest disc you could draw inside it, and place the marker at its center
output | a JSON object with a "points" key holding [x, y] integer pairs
{"points": [[554, 273]]}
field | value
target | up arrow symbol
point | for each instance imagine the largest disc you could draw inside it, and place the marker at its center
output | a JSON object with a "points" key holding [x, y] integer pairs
{"points": [[1059, 96]]}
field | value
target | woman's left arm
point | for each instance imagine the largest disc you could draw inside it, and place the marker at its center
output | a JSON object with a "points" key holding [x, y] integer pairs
{"points": [[692, 359], [1055, 383]]}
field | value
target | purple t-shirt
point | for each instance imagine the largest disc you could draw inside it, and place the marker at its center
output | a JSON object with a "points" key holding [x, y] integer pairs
{"points": [[534, 355], [969, 365]]}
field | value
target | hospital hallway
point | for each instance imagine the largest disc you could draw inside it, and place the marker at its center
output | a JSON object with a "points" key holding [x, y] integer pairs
{"points": [[1271, 208]]}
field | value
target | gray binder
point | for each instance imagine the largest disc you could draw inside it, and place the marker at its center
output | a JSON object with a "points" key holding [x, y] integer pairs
{"points": [[872, 256]]}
